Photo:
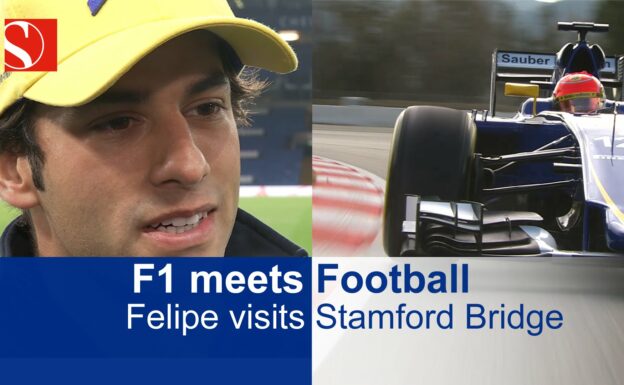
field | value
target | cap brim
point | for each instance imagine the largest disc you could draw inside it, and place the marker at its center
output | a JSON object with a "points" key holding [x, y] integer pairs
{"points": [[90, 71]]}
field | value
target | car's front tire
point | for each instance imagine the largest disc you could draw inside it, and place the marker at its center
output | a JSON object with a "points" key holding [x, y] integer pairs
{"points": [[431, 155]]}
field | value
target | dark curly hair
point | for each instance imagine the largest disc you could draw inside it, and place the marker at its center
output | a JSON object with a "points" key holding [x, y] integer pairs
{"points": [[17, 131]]}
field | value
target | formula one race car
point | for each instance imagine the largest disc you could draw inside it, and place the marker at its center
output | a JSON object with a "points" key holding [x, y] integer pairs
{"points": [[543, 182]]}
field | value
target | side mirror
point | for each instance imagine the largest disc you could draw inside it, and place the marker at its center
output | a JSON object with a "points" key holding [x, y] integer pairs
{"points": [[524, 90]]}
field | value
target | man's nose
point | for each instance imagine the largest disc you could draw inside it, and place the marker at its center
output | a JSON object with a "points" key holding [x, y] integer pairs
{"points": [[179, 160]]}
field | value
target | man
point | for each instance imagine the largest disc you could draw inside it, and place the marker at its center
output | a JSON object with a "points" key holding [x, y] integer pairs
{"points": [[131, 147]]}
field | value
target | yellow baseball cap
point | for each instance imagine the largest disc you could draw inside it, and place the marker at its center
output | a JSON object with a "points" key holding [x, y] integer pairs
{"points": [[100, 40]]}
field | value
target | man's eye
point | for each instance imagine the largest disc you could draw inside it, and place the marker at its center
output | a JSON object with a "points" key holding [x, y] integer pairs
{"points": [[115, 124], [205, 110]]}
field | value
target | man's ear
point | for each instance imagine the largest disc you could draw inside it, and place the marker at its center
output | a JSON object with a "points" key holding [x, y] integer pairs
{"points": [[16, 183]]}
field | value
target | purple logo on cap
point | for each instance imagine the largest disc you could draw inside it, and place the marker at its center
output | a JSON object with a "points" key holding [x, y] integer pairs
{"points": [[95, 6]]}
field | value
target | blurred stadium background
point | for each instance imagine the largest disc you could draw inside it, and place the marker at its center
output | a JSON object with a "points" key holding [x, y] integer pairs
{"points": [[276, 148]]}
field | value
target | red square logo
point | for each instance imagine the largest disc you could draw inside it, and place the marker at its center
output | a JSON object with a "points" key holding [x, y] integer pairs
{"points": [[30, 45]]}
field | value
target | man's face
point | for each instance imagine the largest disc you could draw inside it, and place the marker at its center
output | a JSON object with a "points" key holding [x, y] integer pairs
{"points": [[149, 168]]}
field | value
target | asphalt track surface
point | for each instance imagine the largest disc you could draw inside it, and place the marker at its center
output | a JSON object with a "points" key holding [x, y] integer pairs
{"points": [[589, 349], [364, 147]]}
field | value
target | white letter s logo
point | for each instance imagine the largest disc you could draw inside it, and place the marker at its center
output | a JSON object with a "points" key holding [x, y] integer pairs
{"points": [[21, 54]]}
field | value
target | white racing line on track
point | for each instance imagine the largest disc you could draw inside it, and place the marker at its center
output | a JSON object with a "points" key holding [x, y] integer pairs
{"points": [[347, 210]]}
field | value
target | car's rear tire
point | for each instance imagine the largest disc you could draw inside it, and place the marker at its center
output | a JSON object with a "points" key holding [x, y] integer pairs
{"points": [[432, 153]]}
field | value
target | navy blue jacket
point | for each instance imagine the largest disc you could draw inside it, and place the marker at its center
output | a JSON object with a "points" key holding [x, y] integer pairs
{"points": [[250, 238]]}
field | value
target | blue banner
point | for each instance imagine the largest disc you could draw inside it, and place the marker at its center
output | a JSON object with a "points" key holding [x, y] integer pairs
{"points": [[162, 320]]}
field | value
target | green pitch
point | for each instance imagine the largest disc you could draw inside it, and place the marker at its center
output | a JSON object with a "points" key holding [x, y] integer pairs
{"points": [[291, 217], [7, 214]]}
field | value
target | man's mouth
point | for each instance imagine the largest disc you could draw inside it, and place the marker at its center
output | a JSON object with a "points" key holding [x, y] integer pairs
{"points": [[183, 231], [178, 225]]}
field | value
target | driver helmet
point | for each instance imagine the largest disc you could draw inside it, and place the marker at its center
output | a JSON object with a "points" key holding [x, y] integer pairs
{"points": [[579, 92]]}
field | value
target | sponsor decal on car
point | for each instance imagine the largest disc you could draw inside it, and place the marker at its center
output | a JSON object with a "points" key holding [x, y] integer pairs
{"points": [[539, 61]]}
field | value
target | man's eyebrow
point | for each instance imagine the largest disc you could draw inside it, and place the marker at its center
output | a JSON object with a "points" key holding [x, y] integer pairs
{"points": [[137, 97], [207, 83]]}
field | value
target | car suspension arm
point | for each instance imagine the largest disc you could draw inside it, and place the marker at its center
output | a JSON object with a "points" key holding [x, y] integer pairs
{"points": [[531, 187], [529, 156]]}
